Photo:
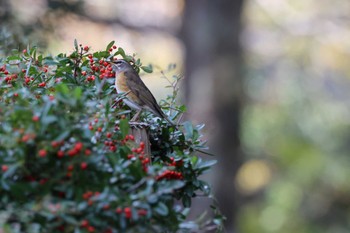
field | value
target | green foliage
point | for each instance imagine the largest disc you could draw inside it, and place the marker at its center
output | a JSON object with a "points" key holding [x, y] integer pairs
{"points": [[68, 162]]}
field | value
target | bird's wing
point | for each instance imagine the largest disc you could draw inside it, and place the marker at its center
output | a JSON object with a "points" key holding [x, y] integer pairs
{"points": [[138, 88]]}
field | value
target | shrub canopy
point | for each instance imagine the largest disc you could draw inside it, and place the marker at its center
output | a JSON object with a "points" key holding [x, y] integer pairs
{"points": [[68, 160]]}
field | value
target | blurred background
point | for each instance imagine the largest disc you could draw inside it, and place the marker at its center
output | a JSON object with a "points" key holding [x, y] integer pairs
{"points": [[269, 78]]}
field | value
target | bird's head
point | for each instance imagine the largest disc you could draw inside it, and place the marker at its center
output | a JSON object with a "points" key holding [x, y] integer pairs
{"points": [[121, 65]]}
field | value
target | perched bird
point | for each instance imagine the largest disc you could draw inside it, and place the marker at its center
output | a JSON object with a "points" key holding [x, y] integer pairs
{"points": [[138, 96]]}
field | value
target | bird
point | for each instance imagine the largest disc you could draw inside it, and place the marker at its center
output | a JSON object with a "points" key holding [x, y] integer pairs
{"points": [[137, 95]]}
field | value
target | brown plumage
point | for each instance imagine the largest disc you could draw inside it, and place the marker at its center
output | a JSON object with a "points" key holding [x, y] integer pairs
{"points": [[138, 96]]}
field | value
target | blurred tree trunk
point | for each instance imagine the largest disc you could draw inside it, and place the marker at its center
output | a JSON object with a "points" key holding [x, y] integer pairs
{"points": [[213, 87]]}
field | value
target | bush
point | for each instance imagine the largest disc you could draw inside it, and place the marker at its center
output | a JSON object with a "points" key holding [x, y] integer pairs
{"points": [[68, 160]]}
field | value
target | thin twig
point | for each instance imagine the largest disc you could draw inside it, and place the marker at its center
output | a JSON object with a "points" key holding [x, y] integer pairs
{"points": [[137, 185], [28, 67]]}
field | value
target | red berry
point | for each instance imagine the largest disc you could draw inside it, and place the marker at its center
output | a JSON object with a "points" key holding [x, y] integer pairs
{"points": [[91, 229], [35, 118], [70, 167], [139, 150], [114, 47], [142, 212], [25, 138], [119, 210], [86, 48], [73, 152], [15, 94], [42, 84], [90, 78], [113, 148], [109, 135], [127, 212], [78, 146], [4, 168], [24, 51], [43, 181], [90, 202], [42, 153], [27, 80], [60, 154], [83, 165], [87, 152], [84, 223], [87, 195], [83, 73], [142, 145], [145, 161], [55, 144]]}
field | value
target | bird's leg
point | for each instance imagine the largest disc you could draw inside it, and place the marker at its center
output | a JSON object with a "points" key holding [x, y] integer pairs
{"points": [[136, 116]]}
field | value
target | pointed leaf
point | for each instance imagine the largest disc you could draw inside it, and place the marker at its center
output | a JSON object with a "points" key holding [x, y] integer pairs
{"points": [[110, 45]]}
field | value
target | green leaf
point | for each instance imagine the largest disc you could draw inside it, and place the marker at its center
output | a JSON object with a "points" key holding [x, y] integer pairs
{"points": [[138, 62], [69, 219], [48, 120], [170, 186], [161, 209], [77, 92], [50, 61], [153, 198], [205, 164], [110, 45], [186, 201], [62, 136], [188, 129], [147, 69], [121, 52], [62, 88], [124, 127], [11, 58]]}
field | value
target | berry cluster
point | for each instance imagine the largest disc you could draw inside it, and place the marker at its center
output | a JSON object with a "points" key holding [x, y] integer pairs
{"points": [[86, 224], [99, 67], [170, 175], [174, 163], [128, 212], [140, 153]]}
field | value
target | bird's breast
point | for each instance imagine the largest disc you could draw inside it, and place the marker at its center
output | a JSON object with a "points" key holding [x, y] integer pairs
{"points": [[120, 83], [122, 87]]}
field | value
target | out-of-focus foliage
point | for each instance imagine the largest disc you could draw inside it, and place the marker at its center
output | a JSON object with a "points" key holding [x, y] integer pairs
{"points": [[68, 162], [296, 125]]}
